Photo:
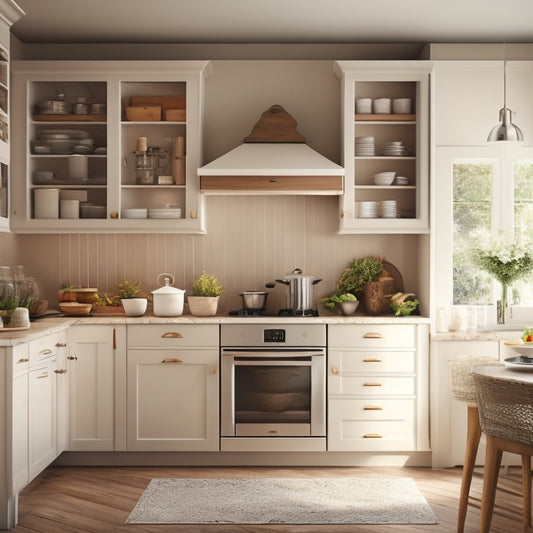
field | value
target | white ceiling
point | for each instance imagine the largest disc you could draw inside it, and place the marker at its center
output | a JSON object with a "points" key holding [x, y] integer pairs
{"points": [[275, 21]]}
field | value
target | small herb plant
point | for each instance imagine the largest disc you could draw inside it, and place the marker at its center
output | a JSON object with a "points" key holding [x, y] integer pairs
{"points": [[330, 302], [405, 308], [128, 289], [207, 285], [106, 300]]}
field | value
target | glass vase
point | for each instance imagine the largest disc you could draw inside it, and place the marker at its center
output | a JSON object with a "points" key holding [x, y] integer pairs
{"points": [[501, 306]]}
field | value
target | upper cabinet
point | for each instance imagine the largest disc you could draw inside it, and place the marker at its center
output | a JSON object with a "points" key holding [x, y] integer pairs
{"points": [[107, 146], [10, 12], [385, 136]]}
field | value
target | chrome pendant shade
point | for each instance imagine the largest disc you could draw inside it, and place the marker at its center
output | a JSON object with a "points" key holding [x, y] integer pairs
{"points": [[505, 130]]}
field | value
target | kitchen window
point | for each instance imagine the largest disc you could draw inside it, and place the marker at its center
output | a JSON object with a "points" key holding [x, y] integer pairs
{"points": [[490, 188]]}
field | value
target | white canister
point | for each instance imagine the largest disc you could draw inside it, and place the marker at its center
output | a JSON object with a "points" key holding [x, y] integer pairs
{"points": [[401, 106], [46, 203], [168, 300], [20, 318], [78, 166], [382, 105], [69, 209]]}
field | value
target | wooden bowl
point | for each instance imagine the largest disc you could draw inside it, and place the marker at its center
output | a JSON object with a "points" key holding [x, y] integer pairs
{"points": [[75, 309]]}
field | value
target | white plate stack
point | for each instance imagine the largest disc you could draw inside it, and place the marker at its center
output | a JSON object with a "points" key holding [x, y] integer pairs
{"points": [[368, 209], [135, 213], [165, 212], [387, 209], [394, 149], [365, 146]]}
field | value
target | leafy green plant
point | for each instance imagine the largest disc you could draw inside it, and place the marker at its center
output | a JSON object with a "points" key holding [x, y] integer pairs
{"points": [[207, 285], [128, 289], [405, 308], [329, 303], [106, 300], [9, 303]]}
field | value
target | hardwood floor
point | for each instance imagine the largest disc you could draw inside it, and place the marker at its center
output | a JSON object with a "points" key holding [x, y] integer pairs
{"points": [[99, 499]]}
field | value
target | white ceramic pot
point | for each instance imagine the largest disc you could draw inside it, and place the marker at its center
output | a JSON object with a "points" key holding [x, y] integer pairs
{"points": [[168, 300], [134, 306], [203, 305]]}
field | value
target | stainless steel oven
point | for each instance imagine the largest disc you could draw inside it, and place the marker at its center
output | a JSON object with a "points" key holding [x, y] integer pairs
{"points": [[273, 387]]}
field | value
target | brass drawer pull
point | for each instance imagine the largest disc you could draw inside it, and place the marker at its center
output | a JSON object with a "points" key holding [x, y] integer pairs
{"points": [[60, 371], [72, 357], [372, 436], [372, 360], [372, 408], [372, 335], [172, 360], [43, 375], [372, 384], [46, 351], [23, 360], [172, 335], [61, 344]]}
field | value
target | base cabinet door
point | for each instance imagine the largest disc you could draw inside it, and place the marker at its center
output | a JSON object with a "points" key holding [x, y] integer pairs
{"points": [[93, 352], [172, 400]]}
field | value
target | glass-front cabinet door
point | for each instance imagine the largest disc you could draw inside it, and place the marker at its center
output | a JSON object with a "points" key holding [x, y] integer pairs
{"points": [[108, 146], [385, 135]]}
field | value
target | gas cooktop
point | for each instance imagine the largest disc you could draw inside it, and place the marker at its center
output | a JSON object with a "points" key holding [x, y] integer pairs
{"points": [[245, 313]]}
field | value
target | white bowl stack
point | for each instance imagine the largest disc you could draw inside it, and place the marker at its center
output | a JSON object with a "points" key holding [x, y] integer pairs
{"points": [[384, 178], [365, 146], [368, 209], [387, 209], [394, 149]]}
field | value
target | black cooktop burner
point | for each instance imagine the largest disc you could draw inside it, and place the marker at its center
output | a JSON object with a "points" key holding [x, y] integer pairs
{"points": [[265, 312]]}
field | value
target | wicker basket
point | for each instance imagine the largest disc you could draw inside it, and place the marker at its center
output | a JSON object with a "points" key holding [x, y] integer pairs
{"points": [[460, 376]]}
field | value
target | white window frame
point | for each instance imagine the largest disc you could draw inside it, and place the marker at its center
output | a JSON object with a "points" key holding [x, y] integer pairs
{"points": [[503, 157]]}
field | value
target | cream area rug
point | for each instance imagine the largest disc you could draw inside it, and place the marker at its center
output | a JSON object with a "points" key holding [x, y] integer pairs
{"points": [[345, 500]]}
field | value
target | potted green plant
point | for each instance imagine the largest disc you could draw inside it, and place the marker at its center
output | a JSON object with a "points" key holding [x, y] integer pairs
{"points": [[132, 297], [107, 304], [205, 293]]}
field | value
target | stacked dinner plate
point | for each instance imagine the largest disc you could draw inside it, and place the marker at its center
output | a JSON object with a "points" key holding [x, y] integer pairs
{"points": [[135, 213], [365, 146], [165, 212], [394, 149], [387, 209], [368, 209]]}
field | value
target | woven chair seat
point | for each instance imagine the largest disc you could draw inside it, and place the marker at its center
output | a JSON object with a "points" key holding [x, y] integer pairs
{"points": [[461, 382], [505, 408]]}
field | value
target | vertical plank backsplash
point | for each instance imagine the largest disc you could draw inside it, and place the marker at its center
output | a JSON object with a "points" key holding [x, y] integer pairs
{"points": [[251, 240]]}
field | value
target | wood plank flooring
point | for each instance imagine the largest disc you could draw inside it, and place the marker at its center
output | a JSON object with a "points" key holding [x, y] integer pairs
{"points": [[99, 499]]}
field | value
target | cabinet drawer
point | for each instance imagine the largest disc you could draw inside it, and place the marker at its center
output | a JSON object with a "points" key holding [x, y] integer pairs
{"points": [[372, 361], [346, 432], [372, 336], [372, 385], [43, 348], [375, 409], [172, 335]]}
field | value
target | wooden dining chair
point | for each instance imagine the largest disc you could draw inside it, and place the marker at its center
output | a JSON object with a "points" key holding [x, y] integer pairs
{"points": [[462, 388], [506, 417]]}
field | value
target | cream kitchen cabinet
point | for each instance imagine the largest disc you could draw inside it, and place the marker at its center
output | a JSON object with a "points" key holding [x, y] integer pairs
{"points": [[377, 388], [96, 369], [62, 392], [173, 388], [394, 80], [116, 197], [449, 416]]}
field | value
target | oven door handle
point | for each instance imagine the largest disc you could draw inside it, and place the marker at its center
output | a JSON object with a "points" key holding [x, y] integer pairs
{"points": [[270, 355], [268, 362]]}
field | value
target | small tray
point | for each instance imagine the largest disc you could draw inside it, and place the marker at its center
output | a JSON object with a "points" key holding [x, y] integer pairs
{"points": [[17, 328], [519, 363]]}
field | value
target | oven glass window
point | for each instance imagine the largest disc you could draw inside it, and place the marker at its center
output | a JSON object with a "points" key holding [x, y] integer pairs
{"points": [[272, 394]]}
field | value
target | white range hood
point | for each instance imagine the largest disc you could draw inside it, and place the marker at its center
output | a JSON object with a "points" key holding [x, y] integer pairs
{"points": [[273, 159]]}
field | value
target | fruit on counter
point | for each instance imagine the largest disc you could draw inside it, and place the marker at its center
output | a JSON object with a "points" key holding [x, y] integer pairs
{"points": [[527, 336]]}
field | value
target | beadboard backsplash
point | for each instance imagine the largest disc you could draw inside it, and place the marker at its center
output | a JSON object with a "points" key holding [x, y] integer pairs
{"points": [[250, 241]]}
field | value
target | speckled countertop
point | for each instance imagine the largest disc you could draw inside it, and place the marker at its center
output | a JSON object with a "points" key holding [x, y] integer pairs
{"points": [[47, 325]]}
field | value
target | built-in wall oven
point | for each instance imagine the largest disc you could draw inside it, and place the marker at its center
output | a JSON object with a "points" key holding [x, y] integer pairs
{"points": [[273, 387]]}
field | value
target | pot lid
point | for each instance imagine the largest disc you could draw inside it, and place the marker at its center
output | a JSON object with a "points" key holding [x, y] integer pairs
{"points": [[167, 287], [297, 273]]}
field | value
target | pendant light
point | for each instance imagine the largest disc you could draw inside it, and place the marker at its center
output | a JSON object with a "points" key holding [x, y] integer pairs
{"points": [[506, 130]]}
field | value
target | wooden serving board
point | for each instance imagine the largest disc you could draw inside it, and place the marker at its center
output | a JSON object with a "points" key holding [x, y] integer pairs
{"points": [[70, 118]]}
